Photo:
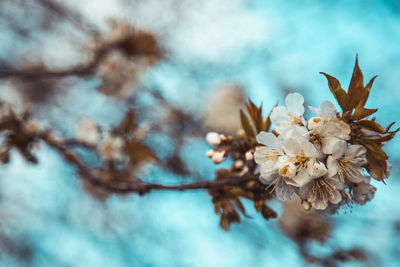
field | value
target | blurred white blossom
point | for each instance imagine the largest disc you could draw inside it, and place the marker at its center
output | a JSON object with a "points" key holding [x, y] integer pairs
{"points": [[213, 138], [111, 148], [88, 132]]}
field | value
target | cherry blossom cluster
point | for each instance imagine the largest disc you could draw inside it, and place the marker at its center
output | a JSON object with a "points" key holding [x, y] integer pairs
{"points": [[312, 159]]}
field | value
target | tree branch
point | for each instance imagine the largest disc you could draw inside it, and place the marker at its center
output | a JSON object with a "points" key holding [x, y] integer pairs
{"points": [[137, 186]]}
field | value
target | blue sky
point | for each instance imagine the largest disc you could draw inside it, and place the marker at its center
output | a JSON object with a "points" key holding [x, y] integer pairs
{"points": [[264, 45]]}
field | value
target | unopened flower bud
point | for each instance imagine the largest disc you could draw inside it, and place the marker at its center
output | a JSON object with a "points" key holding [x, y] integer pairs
{"points": [[213, 138], [238, 164], [219, 156], [306, 205], [248, 155], [87, 131], [30, 127], [241, 133], [6, 110], [314, 122], [210, 153], [223, 137], [111, 148]]}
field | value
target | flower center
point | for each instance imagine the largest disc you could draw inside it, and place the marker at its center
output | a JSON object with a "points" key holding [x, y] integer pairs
{"points": [[322, 190], [279, 185], [285, 171], [316, 140], [347, 169], [271, 155], [294, 119], [301, 161]]}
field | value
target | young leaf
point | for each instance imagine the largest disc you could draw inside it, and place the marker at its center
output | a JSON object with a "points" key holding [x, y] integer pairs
{"points": [[381, 139], [365, 93], [371, 125], [356, 87], [268, 213], [255, 114], [246, 124], [361, 112], [128, 123], [376, 167], [337, 91], [376, 151]]}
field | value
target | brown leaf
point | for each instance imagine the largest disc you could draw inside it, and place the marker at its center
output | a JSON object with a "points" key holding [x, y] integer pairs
{"points": [[258, 204], [225, 223], [365, 94], [239, 205], [246, 124], [228, 217], [128, 123], [337, 91], [356, 87], [139, 153], [376, 167], [371, 125], [255, 114], [267, 122], [374, 150], [268, 213], [382, 139], [361, 112]]}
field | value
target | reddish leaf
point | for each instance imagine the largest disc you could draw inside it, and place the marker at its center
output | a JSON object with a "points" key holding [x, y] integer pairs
{"points": [[356, 87], [374, 150], [268, 213], [128, 123], [371, 125], [361, 112], [337, 91], [246, 124], [364, 96]]}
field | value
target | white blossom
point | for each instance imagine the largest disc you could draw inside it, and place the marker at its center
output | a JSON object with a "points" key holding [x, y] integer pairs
{"points": [[219, 156], [289, 116], [363, 192], [213, 138], [278, 184], [287, 163], [326, 112], [88, 132], [346, 162], [111, 148], [319, 192], [267, 155], [304, 156], [210, 153], [248, 155], [326, 130]]}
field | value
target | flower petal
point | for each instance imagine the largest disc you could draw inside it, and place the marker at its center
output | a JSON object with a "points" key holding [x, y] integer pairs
{"points": [[327, 111], [283, 191], [356, 151], [320, 203], [335, 197], [334, 146], [268, 177], [333, 166], [308, 148], [294, 103], [291, 146], [305, 189], [318, 169], [268, 139], [279, 115], [300, 179]]}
